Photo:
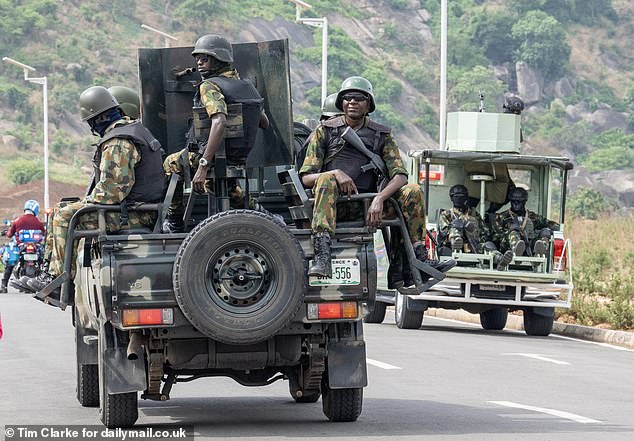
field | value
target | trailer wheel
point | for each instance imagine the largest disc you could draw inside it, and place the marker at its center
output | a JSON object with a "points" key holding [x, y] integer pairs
{"points": [[240, 276], [404, 316]]}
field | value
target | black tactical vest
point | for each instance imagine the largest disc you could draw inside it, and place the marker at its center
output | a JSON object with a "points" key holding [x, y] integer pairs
{"points": [[149, 176], [340, 155], [244, 105]]}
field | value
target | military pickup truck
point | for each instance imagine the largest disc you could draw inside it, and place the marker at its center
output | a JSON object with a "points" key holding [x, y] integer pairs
{"points": [[230, 296], [483, 154]]}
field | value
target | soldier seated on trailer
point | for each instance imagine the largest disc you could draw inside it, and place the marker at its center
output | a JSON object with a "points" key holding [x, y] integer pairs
{"points": [[521, 230], [461, 228], [220, 87]]}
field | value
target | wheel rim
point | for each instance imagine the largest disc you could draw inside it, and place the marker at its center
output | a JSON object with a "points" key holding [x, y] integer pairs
{"points": [[399, 304], [240, 277]]}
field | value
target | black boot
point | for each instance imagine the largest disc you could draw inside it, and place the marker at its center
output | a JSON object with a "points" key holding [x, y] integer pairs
{"points": [[321, 263], [3, 288], [395, 271]]}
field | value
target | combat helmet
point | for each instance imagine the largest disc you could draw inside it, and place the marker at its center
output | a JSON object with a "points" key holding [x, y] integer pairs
{"points": [[95, 100], [329, 108], [128, 100], [355, 83], [214, 45]]}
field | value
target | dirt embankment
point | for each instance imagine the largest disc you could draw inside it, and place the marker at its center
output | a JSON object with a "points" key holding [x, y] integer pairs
{"points": [[12, 199]]}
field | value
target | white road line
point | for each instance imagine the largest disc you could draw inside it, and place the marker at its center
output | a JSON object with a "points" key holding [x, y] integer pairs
{"points": [[538, 357], [381, 365], [557, 413]]}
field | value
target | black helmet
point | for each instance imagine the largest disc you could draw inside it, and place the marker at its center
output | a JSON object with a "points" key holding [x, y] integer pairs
{"points": [[518, 194], [214, 45], [94, 101], [355, 83], [458, 189]]}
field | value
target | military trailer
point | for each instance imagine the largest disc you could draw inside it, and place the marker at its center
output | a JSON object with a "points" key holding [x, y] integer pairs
{"points": [[230, 297], [483, 154]]}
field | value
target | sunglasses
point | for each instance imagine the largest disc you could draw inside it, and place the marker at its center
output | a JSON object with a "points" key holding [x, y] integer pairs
{"points": [[358, 97]]}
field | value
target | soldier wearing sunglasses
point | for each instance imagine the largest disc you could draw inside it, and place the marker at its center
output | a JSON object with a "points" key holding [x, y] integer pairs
{"points": [[332, 167]]}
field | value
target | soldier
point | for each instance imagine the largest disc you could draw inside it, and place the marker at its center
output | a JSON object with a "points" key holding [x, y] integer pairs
{"points": [[127, 167], [220, 86], [519, 228], [128, 100], [332, 167], [329, 108], [462, 229]]}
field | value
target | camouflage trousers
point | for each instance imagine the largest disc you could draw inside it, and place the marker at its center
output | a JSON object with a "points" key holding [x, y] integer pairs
{"points": [[175, 163], [326, 211], [62, 215]]}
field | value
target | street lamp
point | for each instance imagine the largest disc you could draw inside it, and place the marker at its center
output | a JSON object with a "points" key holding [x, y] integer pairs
{"points": [[167, 36], [318, 23], [44, 82]]}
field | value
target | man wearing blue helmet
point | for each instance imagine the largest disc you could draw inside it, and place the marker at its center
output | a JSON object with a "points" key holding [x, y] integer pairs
{"points": [[28, 221]]}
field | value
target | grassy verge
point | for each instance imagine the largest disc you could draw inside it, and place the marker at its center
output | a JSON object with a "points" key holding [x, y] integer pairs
{"points": [[603, 258]]}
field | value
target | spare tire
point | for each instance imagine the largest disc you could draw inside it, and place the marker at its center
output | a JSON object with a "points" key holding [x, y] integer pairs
{"points": [[240, 276]]}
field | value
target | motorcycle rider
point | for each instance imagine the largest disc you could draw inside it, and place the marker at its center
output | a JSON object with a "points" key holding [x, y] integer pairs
{"points": [[28, 221]]}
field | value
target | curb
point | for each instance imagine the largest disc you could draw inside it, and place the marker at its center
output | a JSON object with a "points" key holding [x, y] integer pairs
{"points": [[618, 338]]}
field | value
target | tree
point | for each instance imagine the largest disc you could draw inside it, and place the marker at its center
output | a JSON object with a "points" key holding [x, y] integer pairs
{"points": [[492, 31], [588, 203], [541, 43]]}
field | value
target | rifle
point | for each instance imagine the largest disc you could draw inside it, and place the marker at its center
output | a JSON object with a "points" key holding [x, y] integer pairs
{"points": [[376, 162], [466, 227]]}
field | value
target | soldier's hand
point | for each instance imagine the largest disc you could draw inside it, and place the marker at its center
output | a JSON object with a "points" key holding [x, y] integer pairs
{"points": [[375, 212], [345, 182], [198, 183]]}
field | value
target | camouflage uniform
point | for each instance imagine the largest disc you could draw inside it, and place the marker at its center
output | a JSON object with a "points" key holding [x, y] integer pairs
{"points": [[118, 160], [506, 235], [447, 232], [326, 212], [214, 101]]}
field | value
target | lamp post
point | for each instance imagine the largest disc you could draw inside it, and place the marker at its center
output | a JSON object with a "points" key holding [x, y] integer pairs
{"points": [[165, 35], [318, 23], [44, 82], [443, 75]]}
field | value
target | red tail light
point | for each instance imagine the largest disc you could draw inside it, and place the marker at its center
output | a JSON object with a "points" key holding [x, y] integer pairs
{"points": [[30, 248], [559, 256], [431, 248]]}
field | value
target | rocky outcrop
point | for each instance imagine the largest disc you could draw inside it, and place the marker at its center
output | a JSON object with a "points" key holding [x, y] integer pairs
{"points": [[530, 83]]}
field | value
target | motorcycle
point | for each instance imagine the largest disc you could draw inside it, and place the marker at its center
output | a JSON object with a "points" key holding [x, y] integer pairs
{"points": [[31, 253]]}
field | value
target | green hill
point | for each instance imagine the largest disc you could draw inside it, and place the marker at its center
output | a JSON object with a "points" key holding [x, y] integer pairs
{"points": [[570, 60]]}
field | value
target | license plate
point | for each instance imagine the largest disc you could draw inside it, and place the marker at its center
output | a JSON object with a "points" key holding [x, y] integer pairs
{"points": [[344, 272], [493, 287], [30, 257]]}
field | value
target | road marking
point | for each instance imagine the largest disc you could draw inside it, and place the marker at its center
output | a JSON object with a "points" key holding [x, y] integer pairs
{"points": [[537, 357], [557, 413], [381, 365]]}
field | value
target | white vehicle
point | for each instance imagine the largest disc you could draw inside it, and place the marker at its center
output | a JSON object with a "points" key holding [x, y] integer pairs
{"points": [[483, 154]]}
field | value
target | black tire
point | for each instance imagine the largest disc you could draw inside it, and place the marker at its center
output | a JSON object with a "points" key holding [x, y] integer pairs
{"points": [[30, 271], [404, 317], [377, 314], [115, 410], [87, 374], [494, 319], [536, 324], [240, 276], [341, 404]]}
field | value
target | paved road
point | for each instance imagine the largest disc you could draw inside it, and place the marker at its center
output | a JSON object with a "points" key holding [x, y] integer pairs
{"points": [[446, 381]]}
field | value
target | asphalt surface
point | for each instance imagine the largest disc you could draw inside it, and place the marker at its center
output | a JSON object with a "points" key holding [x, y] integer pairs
{"points": [[448, 380]]}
